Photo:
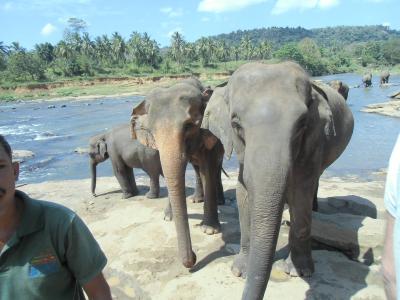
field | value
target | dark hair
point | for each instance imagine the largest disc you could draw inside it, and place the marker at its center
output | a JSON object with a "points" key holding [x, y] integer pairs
{"points": [[5, 145]]}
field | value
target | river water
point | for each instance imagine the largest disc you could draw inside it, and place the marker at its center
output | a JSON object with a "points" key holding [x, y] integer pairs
{"points": [[54, 133]]}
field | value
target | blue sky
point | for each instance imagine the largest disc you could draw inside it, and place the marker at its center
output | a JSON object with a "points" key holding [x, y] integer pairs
{"points": [[38, 21]]}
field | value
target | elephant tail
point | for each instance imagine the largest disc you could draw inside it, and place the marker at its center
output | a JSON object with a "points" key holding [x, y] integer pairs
{"points": [[226, 174]]}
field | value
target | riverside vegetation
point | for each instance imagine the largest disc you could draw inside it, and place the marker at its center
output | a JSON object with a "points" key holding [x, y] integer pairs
{"points": [[76, 64]]}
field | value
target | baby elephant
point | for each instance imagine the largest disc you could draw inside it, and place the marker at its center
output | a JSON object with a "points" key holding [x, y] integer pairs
{"points": [[125, 154]]}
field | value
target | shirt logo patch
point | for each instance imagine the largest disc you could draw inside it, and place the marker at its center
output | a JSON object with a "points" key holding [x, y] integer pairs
{"points": [[43, 265]]}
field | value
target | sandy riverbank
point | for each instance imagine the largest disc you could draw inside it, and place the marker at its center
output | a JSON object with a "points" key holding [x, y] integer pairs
{"points": [[390, 108], [142, 253]]}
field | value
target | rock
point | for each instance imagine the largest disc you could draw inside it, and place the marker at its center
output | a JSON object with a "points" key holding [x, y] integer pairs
{"points": [[395, 95], [21, 155], [350, 204], [80, 150], [359, 237], [64, 105], [51, 106]]}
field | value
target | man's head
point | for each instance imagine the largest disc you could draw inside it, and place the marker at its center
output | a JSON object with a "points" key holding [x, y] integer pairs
{"points": [[9, 172]]}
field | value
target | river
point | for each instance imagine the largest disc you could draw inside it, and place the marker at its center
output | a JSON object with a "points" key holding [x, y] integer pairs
{"points": [[54, 133]]}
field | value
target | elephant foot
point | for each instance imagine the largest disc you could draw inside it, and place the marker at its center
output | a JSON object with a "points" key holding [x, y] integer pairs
{"points": [[210, 228], [196, 198], [304, 266], [239, 266], [152, 195], [190, 261]]}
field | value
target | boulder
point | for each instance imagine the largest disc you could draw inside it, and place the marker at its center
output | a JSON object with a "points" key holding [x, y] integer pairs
{"points": [[359, 237]]}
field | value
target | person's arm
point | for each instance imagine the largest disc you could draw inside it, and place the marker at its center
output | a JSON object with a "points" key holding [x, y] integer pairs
{"points": [[97, 288], [388, 267]]}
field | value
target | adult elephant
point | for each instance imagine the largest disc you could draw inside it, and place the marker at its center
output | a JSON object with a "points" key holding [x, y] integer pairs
{"points": [[367, 80], [125, 154], [169, 120], [384, 77], [285, 130], [340, 87]]}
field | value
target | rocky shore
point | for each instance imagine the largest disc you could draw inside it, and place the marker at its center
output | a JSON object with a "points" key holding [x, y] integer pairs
{"points": [[142, 252]]}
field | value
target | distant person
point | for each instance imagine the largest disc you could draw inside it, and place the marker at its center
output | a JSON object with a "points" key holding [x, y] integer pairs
{"points": [[46, 251], [391, 252]]}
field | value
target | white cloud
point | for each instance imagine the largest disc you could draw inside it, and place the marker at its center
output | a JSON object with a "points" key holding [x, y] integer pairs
{"points": [[205, 19], [387, 24], [48, 29], [282, 6], [219, 6], [172, 13], [7, 6]]}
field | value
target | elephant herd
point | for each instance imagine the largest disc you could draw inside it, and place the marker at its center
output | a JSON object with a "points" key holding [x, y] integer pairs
{"points": [[285, 130], [383, 78]]}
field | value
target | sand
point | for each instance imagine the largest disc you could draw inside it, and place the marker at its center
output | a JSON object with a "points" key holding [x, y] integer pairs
{"points": [[142, 249]]}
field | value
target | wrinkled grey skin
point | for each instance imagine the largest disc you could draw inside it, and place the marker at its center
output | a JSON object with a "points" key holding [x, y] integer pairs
{"points": [[384, 78], [340, 87], [367, 80], [125, 154], [285, 131], [169, 120]]}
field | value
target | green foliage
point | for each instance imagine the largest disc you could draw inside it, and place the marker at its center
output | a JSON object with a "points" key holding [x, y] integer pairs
{"points": [[24, 66], [319, 51]]}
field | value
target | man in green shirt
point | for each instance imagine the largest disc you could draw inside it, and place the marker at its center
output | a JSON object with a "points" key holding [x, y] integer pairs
{"points": [[46, 251]]}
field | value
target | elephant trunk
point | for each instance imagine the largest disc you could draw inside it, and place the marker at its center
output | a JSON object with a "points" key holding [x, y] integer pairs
{"points": [[93, 165], [268, 197], [173, 161]]}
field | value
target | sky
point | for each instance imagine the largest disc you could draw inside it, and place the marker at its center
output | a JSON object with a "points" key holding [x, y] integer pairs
{"points": [[30, 22]]}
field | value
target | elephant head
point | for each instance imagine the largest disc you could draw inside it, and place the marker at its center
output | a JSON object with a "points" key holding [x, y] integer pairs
{"points": [[169, 120], [340, 87], [97, 153], [280, 124]]}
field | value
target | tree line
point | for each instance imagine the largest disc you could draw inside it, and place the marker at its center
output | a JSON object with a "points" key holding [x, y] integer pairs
{"points": [[80, 55]]}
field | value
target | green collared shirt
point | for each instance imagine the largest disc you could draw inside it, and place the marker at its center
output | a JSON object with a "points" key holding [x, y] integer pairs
{"points": [[51, 255]]}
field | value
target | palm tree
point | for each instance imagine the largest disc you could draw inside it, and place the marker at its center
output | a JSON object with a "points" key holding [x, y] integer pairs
{"points": [[118, 48], [177, 47], [3, 48], [246, 47], [88, 46]]}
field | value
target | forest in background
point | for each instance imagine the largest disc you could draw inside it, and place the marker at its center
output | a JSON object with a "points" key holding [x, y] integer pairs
{"points": [[78, 55]]}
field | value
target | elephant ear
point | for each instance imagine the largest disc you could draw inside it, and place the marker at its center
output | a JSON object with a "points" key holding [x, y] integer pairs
{"points": [[140, 125], [102, 148], [216, 119], [320, 96]]}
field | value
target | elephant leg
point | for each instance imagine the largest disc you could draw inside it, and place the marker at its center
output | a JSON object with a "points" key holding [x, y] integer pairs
{"points": [[240, 262], [315, 201], [198, 195], [154, 191], [210, 223], [125, 179], [299, 262], [220, 188], [168, 211]]}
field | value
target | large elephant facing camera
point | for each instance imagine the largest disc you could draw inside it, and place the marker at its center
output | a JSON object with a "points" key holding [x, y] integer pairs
{"points": [[286, 130], [169, 120]]}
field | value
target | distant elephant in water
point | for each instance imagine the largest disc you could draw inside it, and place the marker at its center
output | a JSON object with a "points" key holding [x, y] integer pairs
{"points": [[286, 130], [384, 77], [367, 80], [341, 87], [125, 154]]}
